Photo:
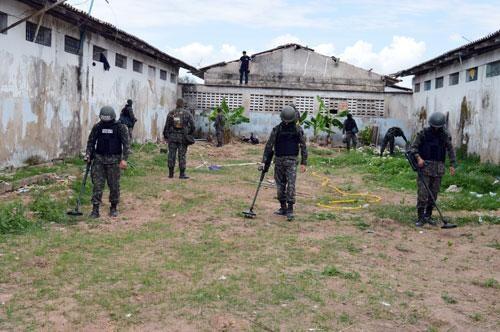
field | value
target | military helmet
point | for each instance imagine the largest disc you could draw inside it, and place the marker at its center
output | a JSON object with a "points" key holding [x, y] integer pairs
{"points": [[288, 114], [107, 114], [180, 103], [129, 102], [437, 120]]}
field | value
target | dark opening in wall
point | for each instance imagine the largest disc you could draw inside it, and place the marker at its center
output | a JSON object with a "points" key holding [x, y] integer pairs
{"points": [[44, 36]]}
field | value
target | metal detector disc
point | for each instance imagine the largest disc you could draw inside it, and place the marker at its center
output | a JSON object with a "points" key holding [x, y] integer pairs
{"points": [[74, 213], [448, 226], [249, 214]]}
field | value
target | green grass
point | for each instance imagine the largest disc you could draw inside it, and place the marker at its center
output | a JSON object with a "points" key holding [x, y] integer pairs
{"points": [[488, 283], [13, 218], [332, 271], [448, 299], [48, 209]]}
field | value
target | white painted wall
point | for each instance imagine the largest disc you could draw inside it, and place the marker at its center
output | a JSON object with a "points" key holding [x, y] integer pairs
{"points": [[481, 133], [42, 110]]}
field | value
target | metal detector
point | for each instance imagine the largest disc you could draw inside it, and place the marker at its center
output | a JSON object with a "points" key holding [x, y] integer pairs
{"points": [[414, 165], [76, 212], [249, 213]]}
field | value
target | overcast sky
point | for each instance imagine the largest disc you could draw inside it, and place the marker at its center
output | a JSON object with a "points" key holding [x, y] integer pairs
{"points": [[384, 35]]}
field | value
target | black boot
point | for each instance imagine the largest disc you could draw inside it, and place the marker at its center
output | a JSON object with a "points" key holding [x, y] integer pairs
{"points": [[282, 210], [421, 217], [428, 216], [113, 211], [95, 211], [183, 174], [289, 212], [170, 172]]}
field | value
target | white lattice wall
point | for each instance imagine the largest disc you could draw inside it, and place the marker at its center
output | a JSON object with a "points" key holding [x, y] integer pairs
{"points": [[357, 107], [273, 103], [210, 100]]}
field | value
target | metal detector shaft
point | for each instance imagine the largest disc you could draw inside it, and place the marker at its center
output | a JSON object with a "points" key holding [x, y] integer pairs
{"points": [[262, 175], [82, 188]]}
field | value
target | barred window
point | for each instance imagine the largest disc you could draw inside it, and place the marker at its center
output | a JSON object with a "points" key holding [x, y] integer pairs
{"points": [[97, 51], [173, 78], [454, 78], [71, 45], [163, 75], [439, 82], [427, 85], [137, 66], [120, 61], [417, 87], [44, 36], [3, 21], [493, 69]]}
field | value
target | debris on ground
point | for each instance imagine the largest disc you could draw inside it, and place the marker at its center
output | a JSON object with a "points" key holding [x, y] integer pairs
{"points": [[453, 189]]}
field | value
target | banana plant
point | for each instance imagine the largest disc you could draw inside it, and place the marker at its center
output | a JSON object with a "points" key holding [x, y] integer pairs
{"points": [[323, 121], [232, 118]]}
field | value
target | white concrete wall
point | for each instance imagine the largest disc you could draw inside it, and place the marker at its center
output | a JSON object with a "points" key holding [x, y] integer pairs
{"points": [[480, 131], [49, 99], [298, 69]]}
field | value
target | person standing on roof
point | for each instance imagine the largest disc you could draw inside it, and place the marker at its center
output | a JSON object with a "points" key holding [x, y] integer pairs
{"points": [[244, 67]]}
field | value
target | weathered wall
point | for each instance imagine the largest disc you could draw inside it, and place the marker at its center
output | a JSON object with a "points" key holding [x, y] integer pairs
{"points": [[298, 69], [49, 99], [473, 107], [201, 99]]}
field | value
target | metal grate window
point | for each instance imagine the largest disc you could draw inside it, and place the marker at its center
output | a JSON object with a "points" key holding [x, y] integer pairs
{"points": [[137, 66], [454, 78], [493, 69], [3, 21], [44, 36], [163, 75], [417, 87], [120, 61], [427, 85], [96, 53], [173, 78], [439, 82], [71, 45]]}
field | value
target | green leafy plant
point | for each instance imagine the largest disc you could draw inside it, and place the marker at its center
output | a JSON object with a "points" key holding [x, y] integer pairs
{"points": [[232, 117], [365, 135], [13, 219], [323, 121], [48, 209]]}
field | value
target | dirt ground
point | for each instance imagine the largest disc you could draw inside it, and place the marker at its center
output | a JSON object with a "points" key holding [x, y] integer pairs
{"points": [[181, 258]]}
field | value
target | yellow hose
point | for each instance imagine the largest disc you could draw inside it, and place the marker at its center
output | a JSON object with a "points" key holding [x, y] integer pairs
{"points": [[346, 198]]}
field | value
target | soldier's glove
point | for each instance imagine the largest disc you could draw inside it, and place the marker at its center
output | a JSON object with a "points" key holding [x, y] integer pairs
{"points": [[261, 167], [87, 158]]}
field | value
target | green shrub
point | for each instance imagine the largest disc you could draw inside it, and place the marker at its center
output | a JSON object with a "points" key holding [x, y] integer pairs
{"points": [[365, 135], [13, 219], [47, 209]]}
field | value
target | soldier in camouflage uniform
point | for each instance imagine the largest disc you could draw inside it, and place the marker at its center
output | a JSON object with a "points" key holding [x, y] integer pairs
{"points": [[178, 131], [389, 139], [285, 141], [219, 127], [350, 130], [430, 148], [108, 150]]}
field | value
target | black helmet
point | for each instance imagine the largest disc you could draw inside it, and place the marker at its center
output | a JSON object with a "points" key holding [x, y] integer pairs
{"points": [[129, 102], [349, 115], [107, 114], [288, 114], [437, 120], [180, 103]]}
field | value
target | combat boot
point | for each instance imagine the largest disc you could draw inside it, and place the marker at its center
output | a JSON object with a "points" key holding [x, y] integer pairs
{"points": [[113, 211], [183, 175], [95, 212], [282, 210], [170, 172], [421, 217], [289, 212], [428, 216]]}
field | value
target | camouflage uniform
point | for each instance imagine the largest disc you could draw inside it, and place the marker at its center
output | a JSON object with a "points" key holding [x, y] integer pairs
{"points": [[285, 168], [433, 170], [219, 129], [389, 139], [105, 167], [179, 124], [350, 129]]}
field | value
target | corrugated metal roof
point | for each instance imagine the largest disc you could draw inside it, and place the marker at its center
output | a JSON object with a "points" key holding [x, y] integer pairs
{"points": [[75, 16], [479, 46]]}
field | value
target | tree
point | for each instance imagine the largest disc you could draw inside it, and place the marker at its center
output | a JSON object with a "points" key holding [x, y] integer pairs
{"points": [[323, 121], [232, 117]]}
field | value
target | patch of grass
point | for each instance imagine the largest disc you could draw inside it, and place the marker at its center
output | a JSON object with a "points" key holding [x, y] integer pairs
{"points": [[344, 318], [477, 317], [13, 219], [448, 299], [48, 209], [473, 219], [494, 245], [488, 283], [332, 271], [361, 225], [324, 216], [401, 213]]}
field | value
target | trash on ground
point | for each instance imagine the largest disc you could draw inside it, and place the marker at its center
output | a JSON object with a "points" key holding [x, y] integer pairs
{"points": [[453, 189]]}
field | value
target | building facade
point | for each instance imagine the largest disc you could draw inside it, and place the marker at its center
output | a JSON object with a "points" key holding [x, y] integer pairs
{"points": [[51, 89], [464, 84], [294, 74]]}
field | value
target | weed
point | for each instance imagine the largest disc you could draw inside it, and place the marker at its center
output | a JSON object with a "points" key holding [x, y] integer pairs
{"points": [[332, 271], [344, 318], [362, 225], [47, 209], [477, 317], [13, 219], [494, 245], [403, 214], [448, 299], [324, 216], [432, 329], [488, 283]]}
